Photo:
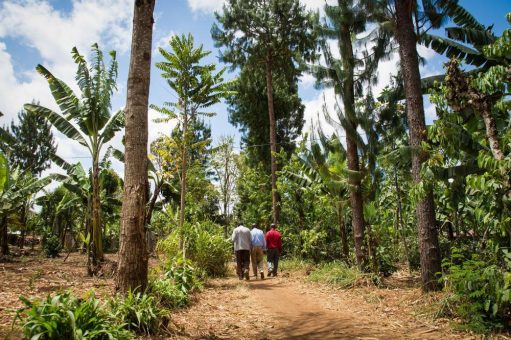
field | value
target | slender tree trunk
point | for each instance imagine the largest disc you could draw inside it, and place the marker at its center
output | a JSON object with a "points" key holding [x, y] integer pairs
{"points": [[273, 142], [184, 164], [399, 220], [133, 256], [491, 133], [96, 212], [152, 203], [425, 210], [5, 237], [23, 218], [348, 99], [343, 234]]}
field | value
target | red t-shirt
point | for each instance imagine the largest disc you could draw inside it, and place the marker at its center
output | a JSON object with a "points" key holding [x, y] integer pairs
{"points": [[273, 240]]}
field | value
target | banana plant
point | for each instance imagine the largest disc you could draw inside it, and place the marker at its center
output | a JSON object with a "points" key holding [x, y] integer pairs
{"points": [[86, 119], [16, 189]]}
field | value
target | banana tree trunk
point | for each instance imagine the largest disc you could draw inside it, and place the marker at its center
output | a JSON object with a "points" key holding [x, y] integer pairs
{"points": [[273, 141], [96, 212], [5, 237], [428, 233], [133, 256]]}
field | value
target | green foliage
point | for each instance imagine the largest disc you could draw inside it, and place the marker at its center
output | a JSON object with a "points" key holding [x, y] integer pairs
{"points": [[482, 290], [139, 312], [34, 144], [184, 275], [167, 293], [64, 316], [52, 246], [338, 274], [205, 247]]}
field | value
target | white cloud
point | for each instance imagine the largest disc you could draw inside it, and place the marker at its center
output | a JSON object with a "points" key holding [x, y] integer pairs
{"points": [[163, 41], [205, 6], [210, 6], [52, 34]]}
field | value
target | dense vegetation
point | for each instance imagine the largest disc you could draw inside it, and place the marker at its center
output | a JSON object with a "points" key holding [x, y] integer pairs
{"points": [[382, 192]]}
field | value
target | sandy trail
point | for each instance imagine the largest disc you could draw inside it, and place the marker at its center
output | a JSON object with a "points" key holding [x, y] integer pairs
{"points": [[302, 316]]}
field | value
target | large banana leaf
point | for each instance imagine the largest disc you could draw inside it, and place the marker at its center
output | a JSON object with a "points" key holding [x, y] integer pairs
{"points": [[115, 124], [4, 171], [60, 123], [67, 101]]}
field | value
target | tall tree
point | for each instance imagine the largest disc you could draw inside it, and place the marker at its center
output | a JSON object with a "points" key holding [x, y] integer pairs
{"points": [[197, 85], [226, 172], [34, 144], [86, 119], [273, 33], [133, 256]]}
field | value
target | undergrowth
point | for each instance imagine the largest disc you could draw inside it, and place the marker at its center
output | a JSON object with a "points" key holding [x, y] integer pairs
{"points": [[339, 274]]}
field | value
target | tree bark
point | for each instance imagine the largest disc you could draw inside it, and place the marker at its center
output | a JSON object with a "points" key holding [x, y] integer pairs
{"points": [[491, 133], [273, 142], [428, 233], [348, 99], [133, 256]]}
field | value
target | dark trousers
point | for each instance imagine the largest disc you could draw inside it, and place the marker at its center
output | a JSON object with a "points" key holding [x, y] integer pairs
{"points": [[242, 261], [273, 260]]}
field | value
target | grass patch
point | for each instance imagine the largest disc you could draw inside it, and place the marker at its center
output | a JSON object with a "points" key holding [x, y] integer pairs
{"points": [[339, 274], [293, 264]]}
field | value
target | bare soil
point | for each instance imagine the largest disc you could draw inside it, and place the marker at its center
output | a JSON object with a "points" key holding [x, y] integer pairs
{"points": [[286, 307]]}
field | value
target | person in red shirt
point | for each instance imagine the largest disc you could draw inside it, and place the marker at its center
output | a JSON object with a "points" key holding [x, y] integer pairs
{"points": [[274, 246]]}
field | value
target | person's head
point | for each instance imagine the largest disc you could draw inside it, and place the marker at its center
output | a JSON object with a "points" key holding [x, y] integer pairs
{"points": [[273, 226], [254, 226]]}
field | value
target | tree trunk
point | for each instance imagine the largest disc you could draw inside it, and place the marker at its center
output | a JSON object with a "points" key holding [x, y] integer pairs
{"points": [[425, 210], [152, 203], [342, 232], [348, 99], [400, 222], [96, 212], [5, 237], [133, 256], [491, 133], [184, 164], [273, 142]]}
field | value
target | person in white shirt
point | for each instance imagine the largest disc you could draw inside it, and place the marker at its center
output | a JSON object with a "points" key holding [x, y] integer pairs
{"points": [[258, 247], [242, 241]]}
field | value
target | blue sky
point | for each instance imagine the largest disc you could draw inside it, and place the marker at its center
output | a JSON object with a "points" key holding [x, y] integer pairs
{"points": [[33, 32]]}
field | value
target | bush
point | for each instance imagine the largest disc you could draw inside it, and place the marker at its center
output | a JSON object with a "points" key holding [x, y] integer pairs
{"points": [[211, 254], [184, 276], [64, 316], [139, 312], [52, 246], [167, 294], [481, 291], [338, 274], [205, 245]]}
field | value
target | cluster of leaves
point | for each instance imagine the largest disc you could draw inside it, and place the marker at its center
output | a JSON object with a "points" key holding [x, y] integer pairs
{"points": [[481, 289], [52, 246], [63, 316]]}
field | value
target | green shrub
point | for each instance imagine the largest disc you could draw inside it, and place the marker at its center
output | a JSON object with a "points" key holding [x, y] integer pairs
{"points": [[205, 247], [52, 246], [167, 294], [184, 276], [64, 316], [211, 254], [338, 274], [294, 264], [481, 291], [139, 312]]}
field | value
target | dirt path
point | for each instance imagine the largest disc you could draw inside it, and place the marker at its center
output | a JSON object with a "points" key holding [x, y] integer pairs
{"points": [[288, 308]]}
